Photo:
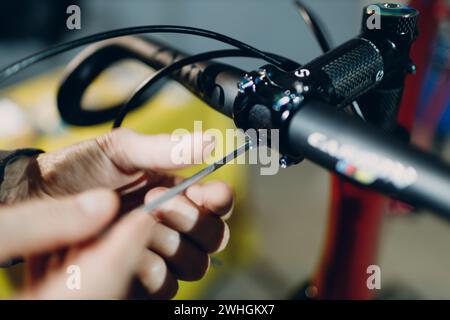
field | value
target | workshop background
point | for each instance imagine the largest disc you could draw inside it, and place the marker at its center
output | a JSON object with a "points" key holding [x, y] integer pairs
{"points": [[279, 225]]}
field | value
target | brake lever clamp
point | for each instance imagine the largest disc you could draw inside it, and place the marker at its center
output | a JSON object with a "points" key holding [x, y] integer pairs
{"points": [[264, 102]]}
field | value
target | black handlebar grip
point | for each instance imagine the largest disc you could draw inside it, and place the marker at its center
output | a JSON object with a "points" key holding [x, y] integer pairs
{"points": [[346, 72], [361, 64]]}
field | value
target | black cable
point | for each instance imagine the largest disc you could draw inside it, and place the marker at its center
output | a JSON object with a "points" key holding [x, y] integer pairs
{"points": [[315, 25], [60, 48], [168, 70]]}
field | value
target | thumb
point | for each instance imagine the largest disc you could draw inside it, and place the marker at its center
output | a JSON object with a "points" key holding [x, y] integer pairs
{"points": [[106, 266], [44, 225], [131, 151]]}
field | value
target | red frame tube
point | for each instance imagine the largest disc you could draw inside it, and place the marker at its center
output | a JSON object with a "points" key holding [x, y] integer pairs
{"points": [[355, 216]]}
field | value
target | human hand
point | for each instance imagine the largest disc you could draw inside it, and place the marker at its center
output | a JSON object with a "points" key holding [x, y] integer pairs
{"points": [[187, 228], [106, 263]]}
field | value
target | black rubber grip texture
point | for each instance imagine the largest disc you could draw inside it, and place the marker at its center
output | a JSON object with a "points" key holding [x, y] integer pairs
{"points": [[348, 71], [406, 26]]}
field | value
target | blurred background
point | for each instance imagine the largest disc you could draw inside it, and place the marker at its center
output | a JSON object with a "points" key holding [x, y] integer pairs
{"points": [[279, 226]]}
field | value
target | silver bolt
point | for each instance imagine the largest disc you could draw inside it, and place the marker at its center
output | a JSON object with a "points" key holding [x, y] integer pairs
{"points": [[283, 162]]}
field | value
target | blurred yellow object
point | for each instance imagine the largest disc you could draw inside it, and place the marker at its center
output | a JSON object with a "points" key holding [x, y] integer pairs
{"points": [[5, 286], [14, 125], [171, 109]]}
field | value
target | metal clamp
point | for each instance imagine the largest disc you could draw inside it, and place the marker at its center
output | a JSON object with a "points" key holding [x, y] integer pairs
{"points": [[263, 103]]}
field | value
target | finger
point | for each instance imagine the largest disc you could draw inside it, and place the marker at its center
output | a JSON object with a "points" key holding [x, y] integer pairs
{"points": [[131, 151], [56, 260], [125, 243], [132, 197], [185, 259], [156, 277], [205, 229], [40, 266], [106, 266], [216, 196], [35, 269], [49, 224]]}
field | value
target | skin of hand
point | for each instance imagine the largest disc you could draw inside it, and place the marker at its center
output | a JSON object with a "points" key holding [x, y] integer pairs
{"points": [[180, 235], [106, 263]]}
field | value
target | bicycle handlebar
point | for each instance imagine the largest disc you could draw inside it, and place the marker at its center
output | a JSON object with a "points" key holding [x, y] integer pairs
{"points": [[90, 63], [370, 157], [273, 99], [359, 152]]}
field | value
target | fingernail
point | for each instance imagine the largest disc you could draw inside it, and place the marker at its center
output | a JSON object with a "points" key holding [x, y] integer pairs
{"points": [[96, 202], [190, 212]]}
